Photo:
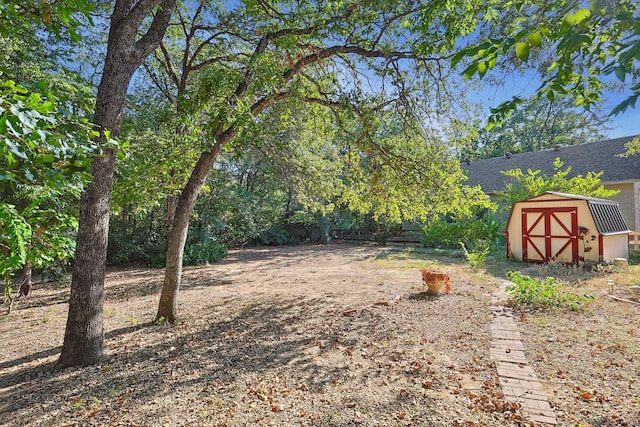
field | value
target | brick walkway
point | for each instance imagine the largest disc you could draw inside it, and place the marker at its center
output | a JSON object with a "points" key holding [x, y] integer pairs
{"points": [[518, 380]]}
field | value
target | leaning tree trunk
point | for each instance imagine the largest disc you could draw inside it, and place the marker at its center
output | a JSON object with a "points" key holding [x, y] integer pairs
{"points": [[168, 306], [84, 333]]}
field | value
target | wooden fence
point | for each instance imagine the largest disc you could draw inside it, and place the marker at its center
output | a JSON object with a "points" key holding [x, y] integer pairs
{"points": [[358, 235], [634, 241]]}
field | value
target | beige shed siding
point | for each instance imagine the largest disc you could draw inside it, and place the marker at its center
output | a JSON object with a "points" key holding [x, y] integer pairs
{"points": [[627, 200], [547, 201]]}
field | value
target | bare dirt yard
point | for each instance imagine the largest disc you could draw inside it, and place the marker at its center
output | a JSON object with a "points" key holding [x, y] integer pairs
{"points": [[332, 335]]}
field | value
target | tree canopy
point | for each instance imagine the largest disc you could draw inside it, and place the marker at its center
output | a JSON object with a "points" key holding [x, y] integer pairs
{"points": [[537, 125]]}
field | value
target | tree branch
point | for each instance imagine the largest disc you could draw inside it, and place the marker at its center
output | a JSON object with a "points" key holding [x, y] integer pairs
{"points": [[168, 66], [325, 53], [149, 41], [156, 82]]}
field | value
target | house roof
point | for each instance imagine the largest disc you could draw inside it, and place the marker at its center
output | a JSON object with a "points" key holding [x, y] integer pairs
{"points": [[606, 213], [583, 158]]}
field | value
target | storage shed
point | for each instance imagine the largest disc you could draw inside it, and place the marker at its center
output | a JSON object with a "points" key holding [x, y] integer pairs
{"points": [[566, 228]]}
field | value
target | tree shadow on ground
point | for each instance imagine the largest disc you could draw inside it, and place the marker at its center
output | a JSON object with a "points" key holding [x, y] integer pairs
{"points": [[7, 381], [120, 286], [257, 339], [425, 296]]}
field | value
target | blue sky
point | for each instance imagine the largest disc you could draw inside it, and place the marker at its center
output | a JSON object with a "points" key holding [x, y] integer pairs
{"points": [[626, 124], [524, 85]]}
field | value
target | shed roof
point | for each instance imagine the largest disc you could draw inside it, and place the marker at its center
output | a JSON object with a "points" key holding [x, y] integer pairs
{"points": [[583, 158], [606, 213]]}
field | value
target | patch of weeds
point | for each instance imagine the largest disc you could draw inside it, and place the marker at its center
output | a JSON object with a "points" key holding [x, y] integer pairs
{"points": [[531, 293], [114, 391], [541, 322], [77, 403], [604, 269], [477, 256], [557, 269], [93, 402]]}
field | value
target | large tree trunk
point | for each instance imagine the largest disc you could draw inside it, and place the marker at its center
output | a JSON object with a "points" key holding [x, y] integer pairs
{"points": [[168, 306], [84, 333], [84, 336]]}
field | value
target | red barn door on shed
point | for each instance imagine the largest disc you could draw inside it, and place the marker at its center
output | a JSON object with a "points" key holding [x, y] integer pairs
{"points": [[550, 234]]}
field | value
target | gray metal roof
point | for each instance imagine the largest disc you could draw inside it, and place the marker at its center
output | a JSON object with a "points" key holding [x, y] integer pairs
{"points": [[583, 158], [607, 216]]}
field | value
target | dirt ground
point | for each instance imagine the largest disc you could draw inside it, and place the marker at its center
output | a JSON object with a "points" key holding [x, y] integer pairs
{"points": [[331, 335]]}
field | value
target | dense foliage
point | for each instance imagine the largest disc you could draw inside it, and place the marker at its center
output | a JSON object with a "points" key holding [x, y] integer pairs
{"points": [[532, 183], [45, 144], [476, 231]]}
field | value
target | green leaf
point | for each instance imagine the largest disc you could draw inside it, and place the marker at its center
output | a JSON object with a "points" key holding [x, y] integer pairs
{"points": [[535, 39], [522, 51], [458, 57], [582, 14], [46, 158], [470, 71], [482, 68], [621, 74], [492, 61], [577, 17], [15, 149], [550, 95]]}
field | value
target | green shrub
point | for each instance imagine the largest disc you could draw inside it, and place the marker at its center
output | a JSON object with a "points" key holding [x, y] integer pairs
{"points": [[136, 246], [204, 253], [274, 236], [528, 292], [444, 233]]}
